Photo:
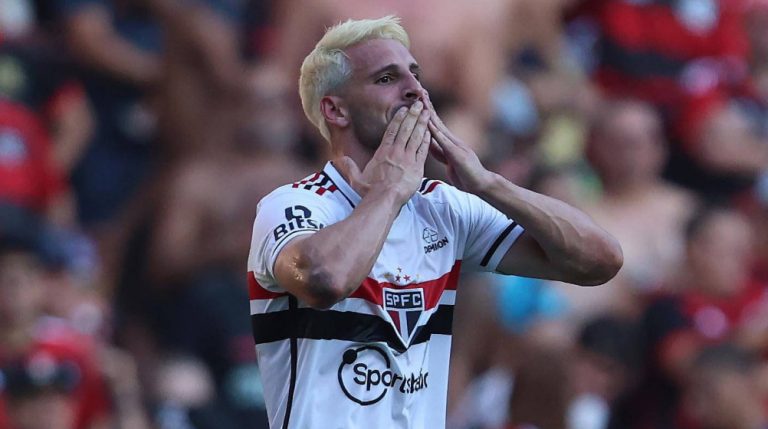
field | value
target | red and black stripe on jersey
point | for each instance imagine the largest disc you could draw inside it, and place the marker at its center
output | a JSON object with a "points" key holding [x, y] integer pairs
{"points": [[319, 183], [310, 323]]}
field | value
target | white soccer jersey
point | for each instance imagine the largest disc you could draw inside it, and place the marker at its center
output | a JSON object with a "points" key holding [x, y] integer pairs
{"points": [[379, 358]]}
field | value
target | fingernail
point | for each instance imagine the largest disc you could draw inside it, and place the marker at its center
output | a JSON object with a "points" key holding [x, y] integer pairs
{"points": [[418, 105]]}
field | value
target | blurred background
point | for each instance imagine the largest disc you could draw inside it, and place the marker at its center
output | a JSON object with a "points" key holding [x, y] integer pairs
{"points": [[137, 137]]}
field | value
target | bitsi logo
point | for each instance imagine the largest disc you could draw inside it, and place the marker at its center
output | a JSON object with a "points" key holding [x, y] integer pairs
{"points": [[298, 218], [365, 376], [433, 243]]}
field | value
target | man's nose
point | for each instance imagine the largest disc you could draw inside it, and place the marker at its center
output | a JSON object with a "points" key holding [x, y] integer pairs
{"points": [[414, 91]]}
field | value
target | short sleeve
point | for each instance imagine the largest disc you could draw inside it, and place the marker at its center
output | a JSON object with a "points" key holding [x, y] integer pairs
{"points": [[489, 233], [281, 217]]}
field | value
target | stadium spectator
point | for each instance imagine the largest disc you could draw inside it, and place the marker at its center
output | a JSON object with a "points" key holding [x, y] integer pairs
{"points": [[718, 300], [541, 392], [117, 46], [39, 393], [690, 60], [604, 369], [627, 150], [24, 333], [45, 124], [723, 390], [444, 35], [204, 75], [198, 235], [644, 49]]}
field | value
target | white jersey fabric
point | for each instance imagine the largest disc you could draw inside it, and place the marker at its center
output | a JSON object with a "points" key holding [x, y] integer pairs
{"points": [[379, 358]]}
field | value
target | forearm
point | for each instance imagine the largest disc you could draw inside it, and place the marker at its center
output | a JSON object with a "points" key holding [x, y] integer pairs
{"points": [[330, 264], [96, 44], [577, 249]]}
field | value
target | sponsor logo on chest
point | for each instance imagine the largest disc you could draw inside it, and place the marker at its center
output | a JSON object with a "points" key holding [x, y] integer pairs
{"points": [[366, 376]]}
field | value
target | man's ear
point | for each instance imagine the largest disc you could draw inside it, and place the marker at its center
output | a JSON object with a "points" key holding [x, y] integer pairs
{"points": [[335, 111]]}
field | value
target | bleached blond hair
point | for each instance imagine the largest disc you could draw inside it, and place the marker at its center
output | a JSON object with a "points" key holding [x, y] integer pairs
{"points": [[327, 67]]}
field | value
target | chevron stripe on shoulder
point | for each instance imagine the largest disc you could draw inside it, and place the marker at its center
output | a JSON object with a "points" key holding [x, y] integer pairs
{"points": [[428, 185], [318, 183]]}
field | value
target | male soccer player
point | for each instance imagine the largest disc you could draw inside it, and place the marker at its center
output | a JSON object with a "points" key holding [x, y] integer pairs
{"points": [[353, 270]]}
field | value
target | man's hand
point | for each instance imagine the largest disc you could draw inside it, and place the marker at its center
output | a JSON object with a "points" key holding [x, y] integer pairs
{"points": [[398, 164], [323, 268], [464, 167]]}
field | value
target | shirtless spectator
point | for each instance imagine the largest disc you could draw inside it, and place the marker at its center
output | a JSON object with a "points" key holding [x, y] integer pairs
{"points": [[201, 227], [204, 75], [647, 215], [724, 391], [461, 45], [718, 300], [690, 60], [200, 233]]}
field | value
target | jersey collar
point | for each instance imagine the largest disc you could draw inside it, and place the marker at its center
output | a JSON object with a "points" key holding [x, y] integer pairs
{"points": [[344, 187]]}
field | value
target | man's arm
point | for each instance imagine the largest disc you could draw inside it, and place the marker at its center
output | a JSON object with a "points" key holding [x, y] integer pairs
{"points": [[95, 42], [325, 267], [560, 242]]}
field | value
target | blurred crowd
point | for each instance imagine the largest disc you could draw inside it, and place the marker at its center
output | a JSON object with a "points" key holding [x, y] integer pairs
{"points": [[137, 137]]}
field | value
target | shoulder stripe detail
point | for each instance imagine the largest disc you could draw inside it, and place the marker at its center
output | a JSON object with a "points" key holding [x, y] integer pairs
{"points": [[337, 325], [428, 186], [423, 184], [336, 188], [497, 243], [319, 182]]}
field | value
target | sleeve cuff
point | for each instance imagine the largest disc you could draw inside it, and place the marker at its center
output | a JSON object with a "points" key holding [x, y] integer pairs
{"points": [[500, 247]]}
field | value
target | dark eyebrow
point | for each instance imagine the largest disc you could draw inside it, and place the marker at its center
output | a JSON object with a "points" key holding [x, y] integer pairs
{"points": [[393, 68]]}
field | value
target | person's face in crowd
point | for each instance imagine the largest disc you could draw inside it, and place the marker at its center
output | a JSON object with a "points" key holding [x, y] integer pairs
{"points": [[630, 147], [757, 30], [720, 253], [597, 374], [723, 399], [43, 410], [385, 77], [268, 121], [21, 288]]}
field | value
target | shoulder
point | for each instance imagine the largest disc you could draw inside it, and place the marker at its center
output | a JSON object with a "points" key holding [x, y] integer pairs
{"points": [[439, 193], [316, 191]]}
